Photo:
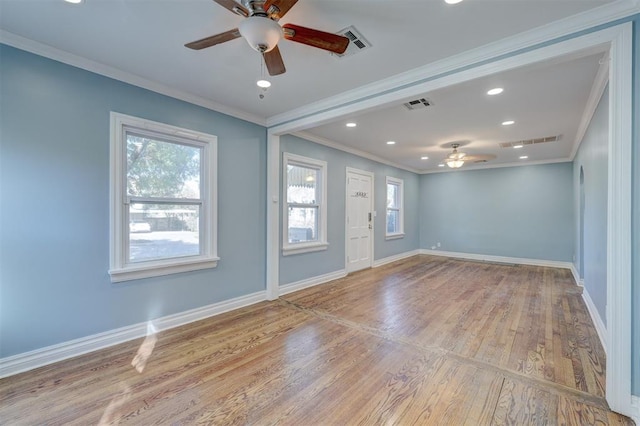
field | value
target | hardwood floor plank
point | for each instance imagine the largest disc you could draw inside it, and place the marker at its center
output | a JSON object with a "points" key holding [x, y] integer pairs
{"points": [[520, 404], [576, 414], [425, 340]]}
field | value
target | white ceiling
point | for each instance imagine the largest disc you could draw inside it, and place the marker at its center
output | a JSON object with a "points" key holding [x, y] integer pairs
{"points": [[142, 40], [547, 99]]}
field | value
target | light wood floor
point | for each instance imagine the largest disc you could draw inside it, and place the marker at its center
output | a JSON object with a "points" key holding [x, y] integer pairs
{"points": [[426, 340]]}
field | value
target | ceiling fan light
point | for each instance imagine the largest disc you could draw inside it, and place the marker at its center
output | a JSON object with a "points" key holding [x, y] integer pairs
{"points": [[261, 33], [454, 164]]}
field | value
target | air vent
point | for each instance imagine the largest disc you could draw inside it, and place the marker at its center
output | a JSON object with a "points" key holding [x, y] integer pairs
{"points": [[357, 43], [529, 141], [421, 103]]}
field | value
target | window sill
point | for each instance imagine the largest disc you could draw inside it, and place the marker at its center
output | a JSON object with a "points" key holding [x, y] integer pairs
{"points": [[394, 236], [149, 270], [304, 248]]}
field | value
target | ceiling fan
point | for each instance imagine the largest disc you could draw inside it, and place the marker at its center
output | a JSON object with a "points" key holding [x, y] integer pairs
{"points": [[262, 31], [457, 159]]}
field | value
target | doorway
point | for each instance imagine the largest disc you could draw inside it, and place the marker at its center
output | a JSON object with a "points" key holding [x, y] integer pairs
{"points": [[359, 220], [581, 223]]}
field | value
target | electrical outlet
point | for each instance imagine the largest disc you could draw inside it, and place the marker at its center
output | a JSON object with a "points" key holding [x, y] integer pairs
{"points": [[438, 244]]}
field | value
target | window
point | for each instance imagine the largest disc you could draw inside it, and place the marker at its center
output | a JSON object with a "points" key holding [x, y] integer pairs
{"points": [[163, 199], [395, 208], [305, 215]]}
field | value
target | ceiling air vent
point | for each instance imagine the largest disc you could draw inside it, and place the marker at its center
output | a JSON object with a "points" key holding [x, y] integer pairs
{"points": [[529, 141], [421, 103], [357, 43]]}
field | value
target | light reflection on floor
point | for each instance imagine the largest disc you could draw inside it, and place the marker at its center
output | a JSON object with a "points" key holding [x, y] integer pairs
{"points": [[111, 414]]}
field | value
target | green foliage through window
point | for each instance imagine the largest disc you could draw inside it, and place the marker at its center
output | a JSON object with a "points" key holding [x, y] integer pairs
{"points": [[162, 169]]}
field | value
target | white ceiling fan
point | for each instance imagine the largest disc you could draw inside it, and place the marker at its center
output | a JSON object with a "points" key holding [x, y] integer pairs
{"points": [[457, 159]]}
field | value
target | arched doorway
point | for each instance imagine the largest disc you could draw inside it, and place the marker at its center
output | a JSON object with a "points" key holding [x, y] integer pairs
{"points": [[581, 223]]}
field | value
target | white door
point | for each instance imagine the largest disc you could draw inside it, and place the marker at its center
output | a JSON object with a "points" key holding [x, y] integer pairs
{"points": [[359, 220]]}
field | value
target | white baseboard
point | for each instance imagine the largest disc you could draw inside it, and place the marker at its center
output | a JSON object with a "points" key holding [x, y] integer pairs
{"points": [[635, 409], [591, 307], [596, 318], [313, 281], [498, 259], [40, 357], [576, 276], [385, 260]]}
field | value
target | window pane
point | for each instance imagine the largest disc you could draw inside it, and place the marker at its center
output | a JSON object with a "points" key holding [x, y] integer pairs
{"points": [[163, 231], [303, 224], [162, 169], [301, 185], [393, 224], [392, 195]]}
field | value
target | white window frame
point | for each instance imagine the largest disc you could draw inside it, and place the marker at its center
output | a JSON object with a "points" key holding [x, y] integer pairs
{"points": [[399, 183], [120, 267], [321, 167]]}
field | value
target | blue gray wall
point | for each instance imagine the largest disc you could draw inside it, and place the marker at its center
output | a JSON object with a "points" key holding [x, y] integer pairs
{"points": [[53, 281], [524, 212], [591, 223], [298, 267], [54, 213], [635, 213]]}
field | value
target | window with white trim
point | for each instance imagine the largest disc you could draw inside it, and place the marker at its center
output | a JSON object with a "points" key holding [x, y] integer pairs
{"points": [[163, 199], [395, 208], [305, 215]]}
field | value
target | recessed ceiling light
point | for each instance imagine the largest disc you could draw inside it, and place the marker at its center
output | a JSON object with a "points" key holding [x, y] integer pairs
{"points": [[264, 84], [508, 123], [440, 165], [452, 1], [351, 124], [495, 91], [517, 146], [74, 1], [424, 158], [391, 142], [524, 157]]}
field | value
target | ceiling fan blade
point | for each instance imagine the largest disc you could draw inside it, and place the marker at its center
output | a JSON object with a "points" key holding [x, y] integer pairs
{"points": [[478, 158], [273, 60], [282, 6], [213, 40], [332, 42], [234, 7]]}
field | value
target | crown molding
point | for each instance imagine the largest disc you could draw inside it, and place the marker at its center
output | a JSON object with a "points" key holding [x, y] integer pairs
{"points": [[354, 151], [332, 144], [487, 166], [344, 148], [64, 57], [525, 40], [597, 90]]}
